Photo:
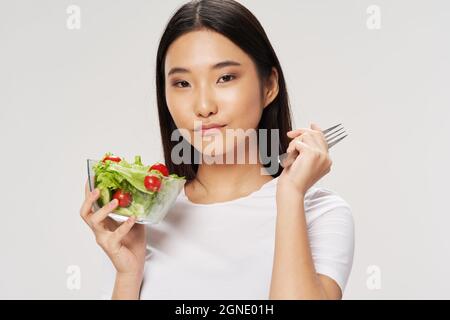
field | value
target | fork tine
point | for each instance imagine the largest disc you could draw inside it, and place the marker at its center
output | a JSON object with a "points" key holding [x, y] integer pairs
{"points": [[331, 139], [335, 141], [334, 135], [332, 128], [328, 135]]}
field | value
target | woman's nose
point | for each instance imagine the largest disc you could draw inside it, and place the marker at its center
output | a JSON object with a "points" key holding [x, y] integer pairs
{"points": [[205, 104]]}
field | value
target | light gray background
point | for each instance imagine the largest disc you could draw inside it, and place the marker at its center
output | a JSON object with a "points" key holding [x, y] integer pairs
{"points": [[67, 95]]}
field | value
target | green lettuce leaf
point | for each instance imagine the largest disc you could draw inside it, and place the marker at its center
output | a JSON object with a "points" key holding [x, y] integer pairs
{"points": [[111, 176]]}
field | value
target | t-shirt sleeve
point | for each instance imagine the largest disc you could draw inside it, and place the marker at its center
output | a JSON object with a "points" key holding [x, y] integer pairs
{"points": [[331, 236]]}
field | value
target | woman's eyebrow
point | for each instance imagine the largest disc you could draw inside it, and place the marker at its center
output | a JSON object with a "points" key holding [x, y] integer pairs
{"points": [[219, 65]]}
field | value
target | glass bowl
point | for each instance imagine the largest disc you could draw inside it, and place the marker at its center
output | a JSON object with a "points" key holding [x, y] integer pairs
{"points": [[161, 204]]}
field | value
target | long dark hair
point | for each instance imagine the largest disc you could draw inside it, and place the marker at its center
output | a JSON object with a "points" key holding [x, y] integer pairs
{"points": [[238, 24]]}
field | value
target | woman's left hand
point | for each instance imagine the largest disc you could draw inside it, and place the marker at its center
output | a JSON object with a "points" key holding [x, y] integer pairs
{"points": [[312, 163]]}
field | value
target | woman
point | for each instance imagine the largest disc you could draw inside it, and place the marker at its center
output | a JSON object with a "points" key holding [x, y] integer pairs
{"points": [[237, 230]]}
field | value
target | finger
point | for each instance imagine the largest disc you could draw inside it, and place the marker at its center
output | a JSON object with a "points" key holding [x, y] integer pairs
{"points": [[86, 189], [301, 147], [97, 218], [291, 146], [314, 140], [309, 137], [86, 207], [315, 126], [124, 228], [296, 132], [305, 138], [321, 135], [317, 134]]}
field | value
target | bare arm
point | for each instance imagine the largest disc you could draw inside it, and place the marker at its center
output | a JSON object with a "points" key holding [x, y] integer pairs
{"points": [[127, 287], [294, 275], [124, 244]]}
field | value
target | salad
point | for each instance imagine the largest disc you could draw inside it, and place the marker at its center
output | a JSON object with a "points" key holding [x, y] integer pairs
{"points": [[146, 192]]}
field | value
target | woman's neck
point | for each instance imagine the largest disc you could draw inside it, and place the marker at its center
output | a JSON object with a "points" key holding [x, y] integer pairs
{"points": [[225, 182]]}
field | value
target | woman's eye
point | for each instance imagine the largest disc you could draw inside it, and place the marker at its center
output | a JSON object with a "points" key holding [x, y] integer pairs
{"points": [[176, 84], [227, 77], [184, 84]]}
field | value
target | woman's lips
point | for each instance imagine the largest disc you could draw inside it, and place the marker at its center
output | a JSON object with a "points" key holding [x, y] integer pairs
{"points": [[211, 131]]}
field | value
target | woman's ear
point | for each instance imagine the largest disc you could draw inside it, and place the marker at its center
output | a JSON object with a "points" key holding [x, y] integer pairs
{"points": [[272, 88]]}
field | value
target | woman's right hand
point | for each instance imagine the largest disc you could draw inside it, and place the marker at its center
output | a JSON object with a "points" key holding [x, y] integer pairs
{"points": [[123, 243]]}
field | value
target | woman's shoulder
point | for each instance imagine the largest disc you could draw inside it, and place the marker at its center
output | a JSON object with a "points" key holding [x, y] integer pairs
{"points": [[331, 233], [325, 201]]}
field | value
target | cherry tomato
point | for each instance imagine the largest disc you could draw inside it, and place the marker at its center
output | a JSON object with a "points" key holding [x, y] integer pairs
{"points": [[152, 183], [112, 158], [161, 168], [124, 198]]}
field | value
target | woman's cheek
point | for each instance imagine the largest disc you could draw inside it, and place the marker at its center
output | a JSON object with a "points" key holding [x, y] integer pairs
{"points": [[241, 103], [178, 111]]}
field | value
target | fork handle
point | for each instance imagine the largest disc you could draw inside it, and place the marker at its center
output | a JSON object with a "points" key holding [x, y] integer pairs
{"points": [[291, 156]]}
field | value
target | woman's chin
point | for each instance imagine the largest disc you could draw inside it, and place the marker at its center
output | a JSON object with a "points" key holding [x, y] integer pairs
{"points": [[213, 156]]}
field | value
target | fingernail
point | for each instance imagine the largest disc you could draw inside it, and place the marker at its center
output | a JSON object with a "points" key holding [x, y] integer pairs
{"points": [[95, 192], [113, 203]]}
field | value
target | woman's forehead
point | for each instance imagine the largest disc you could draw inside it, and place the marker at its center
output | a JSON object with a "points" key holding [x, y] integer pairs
{"points": [[201, 50]]}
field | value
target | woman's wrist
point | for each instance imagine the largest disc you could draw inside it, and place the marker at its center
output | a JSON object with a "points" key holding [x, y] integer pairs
{"points": [[127, 286], [285, 192]]}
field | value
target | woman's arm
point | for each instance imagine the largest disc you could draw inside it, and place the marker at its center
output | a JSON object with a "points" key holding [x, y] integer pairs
{"points": [[124, 244], [127, 287], [294, 275]]}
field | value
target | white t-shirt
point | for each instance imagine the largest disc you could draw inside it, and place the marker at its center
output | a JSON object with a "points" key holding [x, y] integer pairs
{"points": [[225, 250]]}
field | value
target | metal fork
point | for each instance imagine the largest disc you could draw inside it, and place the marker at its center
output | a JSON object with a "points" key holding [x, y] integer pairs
{"points": [[332, 135]]}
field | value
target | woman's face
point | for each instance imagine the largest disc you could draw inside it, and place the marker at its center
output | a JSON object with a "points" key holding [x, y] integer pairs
{"points": [[210, 79]]}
